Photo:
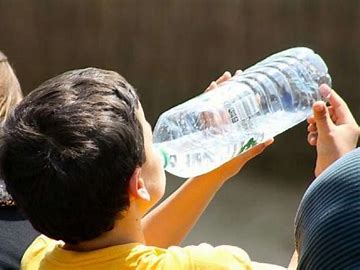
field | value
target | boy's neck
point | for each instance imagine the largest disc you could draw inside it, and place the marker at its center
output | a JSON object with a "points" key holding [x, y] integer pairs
{"points": [[127, 229]]}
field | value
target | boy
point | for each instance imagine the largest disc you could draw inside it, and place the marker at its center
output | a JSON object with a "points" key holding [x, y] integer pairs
{"points": [[77, 156]]}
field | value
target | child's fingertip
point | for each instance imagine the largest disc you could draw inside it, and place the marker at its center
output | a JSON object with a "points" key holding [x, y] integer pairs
{"points": [[269, 141]]}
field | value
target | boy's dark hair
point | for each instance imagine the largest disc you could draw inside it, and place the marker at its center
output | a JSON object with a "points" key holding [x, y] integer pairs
{"points": [[68, 151]]}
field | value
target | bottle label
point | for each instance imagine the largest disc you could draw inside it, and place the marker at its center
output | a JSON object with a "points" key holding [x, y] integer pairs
{"points": [[249, 144], [242, 108], [232, 112]]}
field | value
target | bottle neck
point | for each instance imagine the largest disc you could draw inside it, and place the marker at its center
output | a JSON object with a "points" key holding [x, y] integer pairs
{"points": [[164, 155]]}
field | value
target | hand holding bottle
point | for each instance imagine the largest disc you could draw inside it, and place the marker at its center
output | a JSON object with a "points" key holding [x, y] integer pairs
{"points": [[232, 167], [333, 130], [247, 109]]}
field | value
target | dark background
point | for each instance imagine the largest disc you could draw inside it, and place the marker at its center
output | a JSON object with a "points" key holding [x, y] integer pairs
{"points": [[170, 50]]}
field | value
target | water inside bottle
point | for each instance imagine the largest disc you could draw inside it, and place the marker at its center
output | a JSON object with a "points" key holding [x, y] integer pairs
{"points": [[262, 102], [198, 153]]}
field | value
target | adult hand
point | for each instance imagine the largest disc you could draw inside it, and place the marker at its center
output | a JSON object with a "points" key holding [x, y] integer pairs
{"points": [[333, 130]]}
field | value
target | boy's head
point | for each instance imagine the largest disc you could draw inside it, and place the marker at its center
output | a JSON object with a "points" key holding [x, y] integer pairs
{"points": [[76, 151]]}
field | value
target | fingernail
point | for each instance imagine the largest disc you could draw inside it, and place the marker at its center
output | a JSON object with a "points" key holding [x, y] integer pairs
{"points": [[325, 91], [227, 73], [312, 137], [270, 141], [211, 85], [319, 107]]}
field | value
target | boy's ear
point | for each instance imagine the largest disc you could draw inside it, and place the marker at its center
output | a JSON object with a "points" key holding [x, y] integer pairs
{"points": [[137, 186]]}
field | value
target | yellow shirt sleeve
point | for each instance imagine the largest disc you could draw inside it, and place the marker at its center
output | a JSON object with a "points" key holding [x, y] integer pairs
{"points": [[36, 252], [205, 256]]}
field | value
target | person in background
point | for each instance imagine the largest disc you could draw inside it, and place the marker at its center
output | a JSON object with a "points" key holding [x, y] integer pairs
{"points": [[16, 232], [327, 224]]}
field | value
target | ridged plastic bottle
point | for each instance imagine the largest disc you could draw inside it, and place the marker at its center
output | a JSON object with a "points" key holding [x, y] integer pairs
{"points": [[266, 99]]}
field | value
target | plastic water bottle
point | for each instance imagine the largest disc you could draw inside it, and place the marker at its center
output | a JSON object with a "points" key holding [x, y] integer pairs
{"points": [[266, 99]]}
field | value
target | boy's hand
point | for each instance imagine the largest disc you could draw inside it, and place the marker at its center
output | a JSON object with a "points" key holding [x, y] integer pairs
{"points": [[232, 167], [333, 130], [226, 76]]}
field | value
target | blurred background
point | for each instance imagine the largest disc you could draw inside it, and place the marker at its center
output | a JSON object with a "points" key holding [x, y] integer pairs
{"points": [[170, 50]]}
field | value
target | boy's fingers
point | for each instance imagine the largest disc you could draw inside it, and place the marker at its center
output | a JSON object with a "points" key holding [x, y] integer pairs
{"points": [[224, 77], [257, 149], [212, 86], [268, 141], [221, 79], [238, 72], [322, 117]]}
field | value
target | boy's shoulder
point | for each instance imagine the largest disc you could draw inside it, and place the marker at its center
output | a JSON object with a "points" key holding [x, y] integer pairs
{"points": [[36, 252], [45, 253]]}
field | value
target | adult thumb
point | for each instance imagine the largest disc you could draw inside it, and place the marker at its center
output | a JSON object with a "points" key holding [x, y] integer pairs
{"points": [[322, 117]]}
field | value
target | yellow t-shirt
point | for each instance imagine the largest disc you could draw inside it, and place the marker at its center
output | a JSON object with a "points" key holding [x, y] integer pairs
{"points": [[47, 254]]}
